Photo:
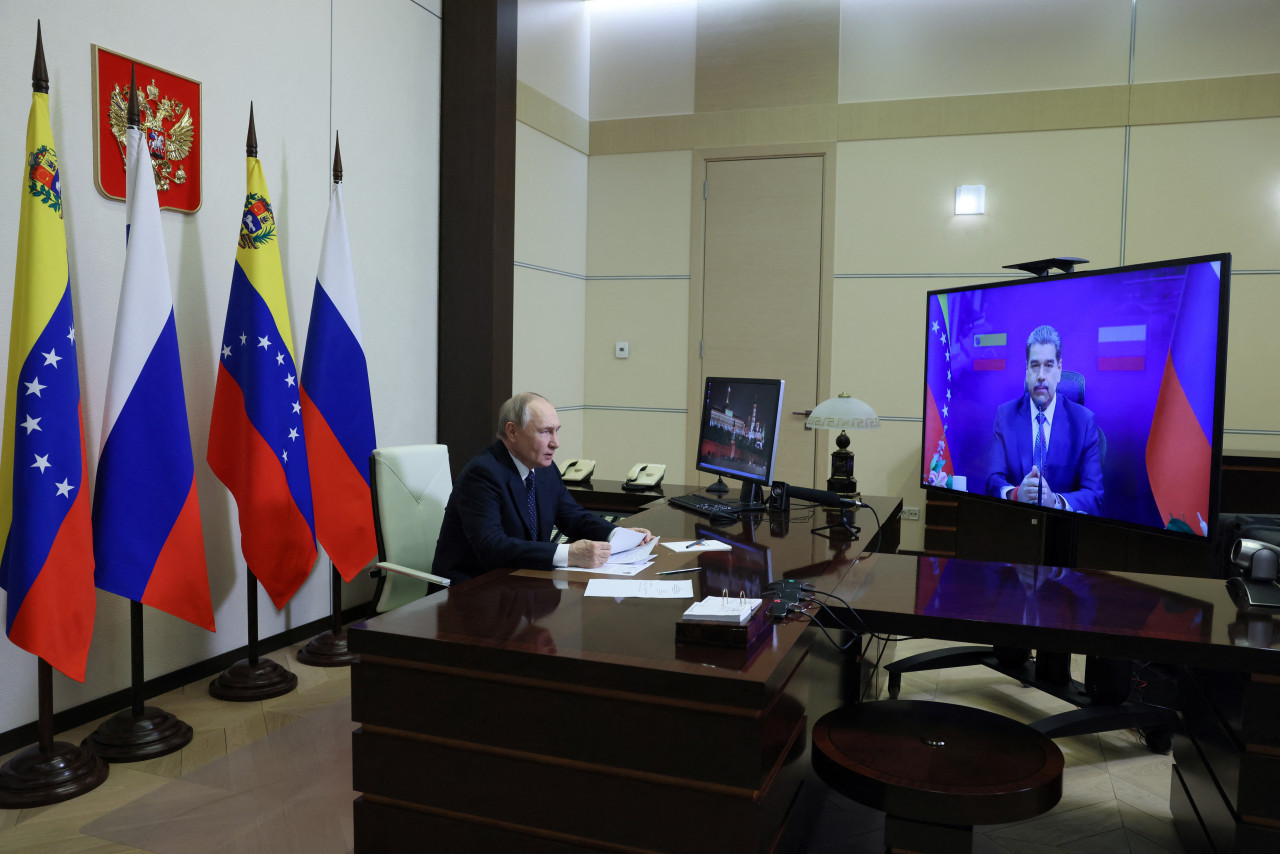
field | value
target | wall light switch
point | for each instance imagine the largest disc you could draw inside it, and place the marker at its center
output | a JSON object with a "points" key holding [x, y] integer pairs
{"points": [[622, 350]]}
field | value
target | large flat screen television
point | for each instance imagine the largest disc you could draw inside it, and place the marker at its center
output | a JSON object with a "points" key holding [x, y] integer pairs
{"points": [[738, 434], [1127, 365]]}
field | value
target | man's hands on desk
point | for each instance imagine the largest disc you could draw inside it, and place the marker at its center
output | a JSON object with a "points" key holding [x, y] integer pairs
{"points": [[592, 554]]}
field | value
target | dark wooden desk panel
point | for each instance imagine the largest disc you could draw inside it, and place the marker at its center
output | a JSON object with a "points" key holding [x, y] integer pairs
{"points": [[514, 713], [583, 707]]}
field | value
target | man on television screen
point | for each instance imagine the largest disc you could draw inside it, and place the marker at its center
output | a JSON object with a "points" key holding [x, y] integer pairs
{"points": [[1046, 448]]}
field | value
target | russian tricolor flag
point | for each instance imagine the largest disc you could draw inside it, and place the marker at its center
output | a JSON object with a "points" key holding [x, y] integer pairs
{"points": [[1180, 446], [148, 541], [47, 567], [337, 408], [256, 442]]}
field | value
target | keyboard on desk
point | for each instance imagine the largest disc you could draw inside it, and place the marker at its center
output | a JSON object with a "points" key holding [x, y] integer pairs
{"points": [[701, 505]]}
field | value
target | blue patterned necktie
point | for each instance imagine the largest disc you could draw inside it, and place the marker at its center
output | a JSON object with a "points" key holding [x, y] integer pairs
{"points": [[532, 500], [1040, 419]]}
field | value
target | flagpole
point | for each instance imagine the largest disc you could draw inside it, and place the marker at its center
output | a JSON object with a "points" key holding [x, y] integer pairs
{"points": [[141, 731], [253, 678], [49, 771], [330, 648]]}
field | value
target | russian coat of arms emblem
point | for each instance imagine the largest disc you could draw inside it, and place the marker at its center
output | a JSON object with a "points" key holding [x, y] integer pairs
{"points": [[166, 125], [170, 109]]}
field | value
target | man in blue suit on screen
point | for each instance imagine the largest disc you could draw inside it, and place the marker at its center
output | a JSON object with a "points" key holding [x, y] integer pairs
{"points": [[1046, 448]]}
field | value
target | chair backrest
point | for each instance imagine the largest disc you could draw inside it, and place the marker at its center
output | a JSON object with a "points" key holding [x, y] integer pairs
{"points": [[1071, 386], [411, 486]]}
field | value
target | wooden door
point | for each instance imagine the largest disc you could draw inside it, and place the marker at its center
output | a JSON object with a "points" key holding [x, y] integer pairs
{"points": [[761, 288]]}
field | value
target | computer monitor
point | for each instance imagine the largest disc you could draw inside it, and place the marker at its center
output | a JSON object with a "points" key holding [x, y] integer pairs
{"points": [[738, 436], [1135, 437]]}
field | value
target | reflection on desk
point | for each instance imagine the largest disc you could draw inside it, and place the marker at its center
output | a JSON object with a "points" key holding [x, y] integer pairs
{"points": [[567, 723]]}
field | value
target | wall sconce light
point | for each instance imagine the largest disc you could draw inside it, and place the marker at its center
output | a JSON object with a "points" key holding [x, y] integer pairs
{"points": [[971, 199]]}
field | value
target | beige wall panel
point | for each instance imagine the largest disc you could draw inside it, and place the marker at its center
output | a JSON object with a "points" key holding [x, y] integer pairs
{"points": [[927, 48], [652, 317], [558, 122], [551, 203], [553, 51], [1187, 39], [642, 58], [1055, 109], [638, 214], [550, 313], [571, 430], [761, 53], [727, 129], [1206, 100], [1206, 187], [877, 341], [618, 439], [1048, 194], [1252, 403]]}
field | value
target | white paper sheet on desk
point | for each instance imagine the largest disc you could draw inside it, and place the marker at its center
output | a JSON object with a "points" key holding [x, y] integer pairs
{"points": [[698, 546], [645, 588], [627, 569], [623, 539], [634, 555]]}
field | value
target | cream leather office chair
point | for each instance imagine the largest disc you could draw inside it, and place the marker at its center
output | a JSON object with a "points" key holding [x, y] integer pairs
{"points": [[410, 485]]}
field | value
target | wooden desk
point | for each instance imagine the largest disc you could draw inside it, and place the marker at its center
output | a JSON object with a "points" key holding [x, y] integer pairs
{"points": [[512, 713]]}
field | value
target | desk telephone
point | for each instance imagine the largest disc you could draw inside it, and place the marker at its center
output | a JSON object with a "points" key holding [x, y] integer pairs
{"points": [[644, 476], [577, 471]]}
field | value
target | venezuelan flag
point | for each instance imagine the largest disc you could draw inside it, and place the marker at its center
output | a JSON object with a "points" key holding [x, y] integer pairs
{"points": [[257, 447], [937, 405], [336, 406], [47, 565], [148, 540]]}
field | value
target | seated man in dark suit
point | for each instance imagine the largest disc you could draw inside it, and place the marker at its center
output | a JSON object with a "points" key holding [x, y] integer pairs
{"points": [[508, 496], [1045, 447]]}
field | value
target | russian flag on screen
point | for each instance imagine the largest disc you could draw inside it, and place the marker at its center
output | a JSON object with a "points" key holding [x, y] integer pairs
{"points": [[937, 405], [148, 541], [336, 406], [1122, 348], [1180, 447], [256, 442], [47, 566]]}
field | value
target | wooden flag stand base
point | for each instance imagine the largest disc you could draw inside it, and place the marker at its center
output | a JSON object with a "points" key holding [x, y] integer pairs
{"points": [[51, 771], [253, 678], [330, 649], [141, 731]]}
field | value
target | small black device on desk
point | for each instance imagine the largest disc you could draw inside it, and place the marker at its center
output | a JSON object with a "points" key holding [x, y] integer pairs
{"points": [[702, 505]]}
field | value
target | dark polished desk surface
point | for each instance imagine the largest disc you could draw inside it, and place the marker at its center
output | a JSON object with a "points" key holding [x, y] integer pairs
{"points": [[1172, 619], [522, 686]]}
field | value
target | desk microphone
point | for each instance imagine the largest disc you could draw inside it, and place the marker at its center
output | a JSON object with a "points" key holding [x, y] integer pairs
{"points": [[825, 497]]}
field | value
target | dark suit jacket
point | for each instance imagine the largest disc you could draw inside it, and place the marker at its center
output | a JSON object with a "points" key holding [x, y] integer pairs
{"points": [[486, 522], [1073, 466]]}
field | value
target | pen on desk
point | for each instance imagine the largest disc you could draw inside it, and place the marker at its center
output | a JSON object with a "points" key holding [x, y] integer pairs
{"points": [[674, 571], [695, 544]]}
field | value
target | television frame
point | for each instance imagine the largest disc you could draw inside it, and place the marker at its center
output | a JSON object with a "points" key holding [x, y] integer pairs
{"points": [[753, 488], [1219, 394]]}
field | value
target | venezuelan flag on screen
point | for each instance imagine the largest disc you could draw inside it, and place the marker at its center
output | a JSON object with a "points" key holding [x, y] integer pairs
{"points": [[147, 536], [937, 404], [257, 446], [336, 406], [47, 565], [1180, 448]]}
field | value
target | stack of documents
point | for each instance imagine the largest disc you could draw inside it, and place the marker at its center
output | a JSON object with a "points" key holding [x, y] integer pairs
{"points": [[723, 609], [628, 556]]}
